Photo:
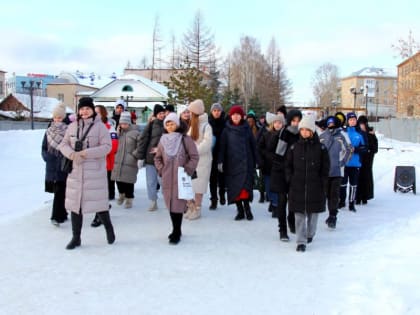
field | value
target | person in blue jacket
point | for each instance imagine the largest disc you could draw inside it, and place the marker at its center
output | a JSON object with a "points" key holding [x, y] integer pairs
{"points": [[352, 168]]}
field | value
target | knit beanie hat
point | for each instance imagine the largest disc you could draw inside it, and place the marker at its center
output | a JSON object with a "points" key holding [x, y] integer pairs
{"points": [[170, 108], [125, 118], [307, 122], [59, 111], [158, 109], [236, 109], [216, 106], [292, 114], [351, 115], [180, 109], [271, 118], [86, 102], [121, 103], [171, 117], [196, 107]]}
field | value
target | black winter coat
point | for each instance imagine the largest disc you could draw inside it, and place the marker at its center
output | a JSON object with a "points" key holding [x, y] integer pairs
{"points": [[278, 181], [307, 169], [238, 155], [149, 139], [217, 125], [365, 187], [52, 159]]}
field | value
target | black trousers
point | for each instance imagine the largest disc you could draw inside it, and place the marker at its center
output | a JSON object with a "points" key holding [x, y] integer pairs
{"points": [[126, 188], [333, 194], [111, 186], [351, 174], [217, 179], [59, 212]]}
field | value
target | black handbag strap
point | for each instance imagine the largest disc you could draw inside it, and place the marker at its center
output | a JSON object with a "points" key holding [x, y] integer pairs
{"points": [[86, 133]]}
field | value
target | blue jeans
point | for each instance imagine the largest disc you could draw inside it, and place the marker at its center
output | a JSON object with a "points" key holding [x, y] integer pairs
{"points": [[272, 197], [152, 179]]}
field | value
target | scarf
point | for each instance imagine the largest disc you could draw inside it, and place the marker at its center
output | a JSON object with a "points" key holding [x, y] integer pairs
{"points": [[171, 142], [55, 134]]}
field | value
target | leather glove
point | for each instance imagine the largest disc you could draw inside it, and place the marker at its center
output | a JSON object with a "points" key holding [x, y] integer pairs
{"points": [[78, 157], [140, 163], [220, 167]]}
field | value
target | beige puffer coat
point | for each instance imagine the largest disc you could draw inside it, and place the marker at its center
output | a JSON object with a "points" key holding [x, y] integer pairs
{"points": [[203, 143], [125, 166], [87, 184]]}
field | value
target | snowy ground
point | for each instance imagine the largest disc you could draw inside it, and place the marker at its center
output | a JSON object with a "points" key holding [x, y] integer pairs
{"points": [[368, 265]]}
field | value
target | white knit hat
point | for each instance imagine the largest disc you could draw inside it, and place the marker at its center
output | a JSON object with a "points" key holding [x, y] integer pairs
{"points": [[270, 118], [59, 111], [307, 122], [181, 108], [172, 117]]}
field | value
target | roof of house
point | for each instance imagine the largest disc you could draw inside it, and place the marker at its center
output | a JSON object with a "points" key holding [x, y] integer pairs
{"points": [[375, 72]]}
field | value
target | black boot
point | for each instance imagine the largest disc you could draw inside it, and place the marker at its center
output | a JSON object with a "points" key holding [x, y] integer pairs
{"points": [[222, 198], [248, 212], [96, 221], [331, 221], [351, 206], [274, 211], [76, 226], [106, 220], [241, 211], [262, 197], [213, 204], [282, 224], [176, 234]]}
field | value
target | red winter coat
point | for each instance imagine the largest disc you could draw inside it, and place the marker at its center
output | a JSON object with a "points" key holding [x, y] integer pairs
{"points": [[110, 158]]}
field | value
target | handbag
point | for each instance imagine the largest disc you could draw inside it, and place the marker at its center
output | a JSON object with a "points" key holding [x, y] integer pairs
{"points": [[66, 165], [281, 146], [185, 190]]}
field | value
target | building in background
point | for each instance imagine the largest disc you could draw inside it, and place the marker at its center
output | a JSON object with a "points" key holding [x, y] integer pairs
{"points": [[408, 103], [371, 90], [70, 87], [3, 91]]}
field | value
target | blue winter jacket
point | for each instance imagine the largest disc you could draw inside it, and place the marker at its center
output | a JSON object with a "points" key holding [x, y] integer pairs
{"points": [[358, 144]]}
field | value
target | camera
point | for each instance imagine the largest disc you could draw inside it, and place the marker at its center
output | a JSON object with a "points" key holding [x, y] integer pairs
{"points": [[78, 146]]}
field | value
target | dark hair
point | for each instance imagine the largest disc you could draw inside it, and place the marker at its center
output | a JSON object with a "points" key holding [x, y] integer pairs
{"points": [[103, 113]]}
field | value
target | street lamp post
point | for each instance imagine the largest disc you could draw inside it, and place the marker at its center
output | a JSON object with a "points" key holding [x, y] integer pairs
{"points": [[355, 92], [127, 98], [367, 89], [31, 89]]}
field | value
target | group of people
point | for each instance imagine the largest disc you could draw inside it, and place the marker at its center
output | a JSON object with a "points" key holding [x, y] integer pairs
{"points": [[298, 164]]}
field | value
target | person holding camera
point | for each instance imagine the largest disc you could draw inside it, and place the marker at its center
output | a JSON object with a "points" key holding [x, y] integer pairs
{"points": [[87, 143]]}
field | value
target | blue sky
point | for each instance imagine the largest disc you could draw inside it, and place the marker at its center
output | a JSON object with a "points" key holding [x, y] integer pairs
{"points": [[101, 36]]}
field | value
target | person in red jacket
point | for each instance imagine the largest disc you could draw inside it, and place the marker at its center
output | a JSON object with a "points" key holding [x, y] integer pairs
{"points": [[110, 158]]}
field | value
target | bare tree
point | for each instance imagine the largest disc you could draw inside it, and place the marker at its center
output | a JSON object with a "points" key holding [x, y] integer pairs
{"points": [[199, 44], [175, 57], [156, 45], [325, 84], [406, 48]]}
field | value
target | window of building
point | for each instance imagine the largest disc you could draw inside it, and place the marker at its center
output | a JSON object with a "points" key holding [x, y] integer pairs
{"points": [[1, 88], [127, 88], [60, 97]]}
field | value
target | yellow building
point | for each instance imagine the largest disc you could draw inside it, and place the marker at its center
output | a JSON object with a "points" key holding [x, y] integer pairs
{"points": [[370, 90], [409, 87]]}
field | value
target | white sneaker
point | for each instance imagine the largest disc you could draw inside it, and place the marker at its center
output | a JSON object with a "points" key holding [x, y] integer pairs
{"points": [[55, 223], [153, 206]]}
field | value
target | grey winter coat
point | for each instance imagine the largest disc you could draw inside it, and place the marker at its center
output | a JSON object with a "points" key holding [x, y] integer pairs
{"points": [[125, 165], [87, 184], [167, 167], [339, 150]]}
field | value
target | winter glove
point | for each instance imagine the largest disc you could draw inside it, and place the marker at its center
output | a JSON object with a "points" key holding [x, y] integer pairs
{"points": [[140, 163], [220, 167]]}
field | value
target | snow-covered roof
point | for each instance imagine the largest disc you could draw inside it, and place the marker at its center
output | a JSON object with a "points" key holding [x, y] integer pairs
{"points": [[137, 88], [375, 72], [43, 106], [88, 79]]}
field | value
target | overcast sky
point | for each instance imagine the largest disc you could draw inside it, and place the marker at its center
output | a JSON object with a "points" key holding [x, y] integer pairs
{"points": [[101, 36]]}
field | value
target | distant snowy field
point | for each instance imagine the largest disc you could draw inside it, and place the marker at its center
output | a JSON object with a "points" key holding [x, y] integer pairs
{"points": [[368, 265]]}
